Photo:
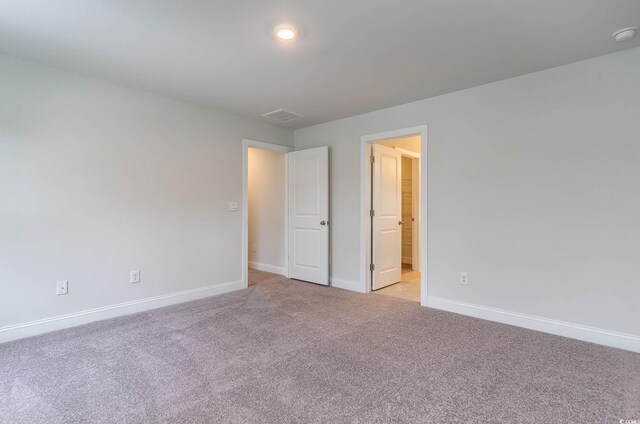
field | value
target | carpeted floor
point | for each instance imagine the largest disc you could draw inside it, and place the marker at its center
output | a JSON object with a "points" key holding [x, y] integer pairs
{"points": [[285, 351]]}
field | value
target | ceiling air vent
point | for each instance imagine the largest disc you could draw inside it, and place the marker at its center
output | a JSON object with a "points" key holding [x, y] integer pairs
{"points": [[282, 115]]}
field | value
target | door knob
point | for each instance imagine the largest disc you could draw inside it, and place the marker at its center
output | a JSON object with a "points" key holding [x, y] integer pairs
{"points": [[400, 222], [323, 222]]}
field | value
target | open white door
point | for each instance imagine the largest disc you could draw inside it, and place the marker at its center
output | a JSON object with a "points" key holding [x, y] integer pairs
{"points": [[309, 215], [387, 216]]}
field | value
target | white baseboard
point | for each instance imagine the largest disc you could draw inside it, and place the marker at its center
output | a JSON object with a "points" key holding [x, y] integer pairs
{"points": [[560, 328], [32, 328], [267, 268], [340, 283]]}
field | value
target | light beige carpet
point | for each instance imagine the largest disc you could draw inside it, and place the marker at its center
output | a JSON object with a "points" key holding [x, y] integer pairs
{"points": [[285, 351]]}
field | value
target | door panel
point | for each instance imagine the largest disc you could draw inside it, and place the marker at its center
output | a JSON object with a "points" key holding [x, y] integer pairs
{"points": [[308, 241], [387, 228], [307, 186], [309, 215]]}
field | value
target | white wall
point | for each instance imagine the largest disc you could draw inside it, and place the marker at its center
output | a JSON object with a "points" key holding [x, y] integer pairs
{"points": [[266, 196], [533, 188], [97, 179]]}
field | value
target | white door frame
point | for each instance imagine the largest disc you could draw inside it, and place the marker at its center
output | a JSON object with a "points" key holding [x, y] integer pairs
{"points": [[246, 143], [365, 204]]}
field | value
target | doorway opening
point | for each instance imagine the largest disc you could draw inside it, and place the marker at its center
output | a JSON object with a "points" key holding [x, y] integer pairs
{"points": [[394, 213], [265, 241], [395, 191], [285, 213]]}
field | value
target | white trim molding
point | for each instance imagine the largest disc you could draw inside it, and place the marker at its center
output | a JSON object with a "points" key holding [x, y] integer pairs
{"points": [[32, 328], [546, 325], [268, 268], [340, 283]]}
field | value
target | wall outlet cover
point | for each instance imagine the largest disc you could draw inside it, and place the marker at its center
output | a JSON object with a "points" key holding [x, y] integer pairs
{"points": [[62, 287], [134, 276]]}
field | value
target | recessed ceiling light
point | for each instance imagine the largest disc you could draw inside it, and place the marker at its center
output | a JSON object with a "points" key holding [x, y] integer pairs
{"points": [[625, 34], [285, 32]]}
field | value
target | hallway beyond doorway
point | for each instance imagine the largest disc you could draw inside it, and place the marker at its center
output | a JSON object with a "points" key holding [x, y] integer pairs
{"points": [[408, 288]]}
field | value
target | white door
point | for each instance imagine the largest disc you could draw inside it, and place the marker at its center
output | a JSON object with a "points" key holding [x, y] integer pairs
{"points": [[387, 216], [309, 215]]}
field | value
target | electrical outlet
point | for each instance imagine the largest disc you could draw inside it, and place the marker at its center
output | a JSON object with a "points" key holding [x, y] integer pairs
{"points": [[233, 206], [62, 287], [464, 278], [254, 248], [134, 276]]}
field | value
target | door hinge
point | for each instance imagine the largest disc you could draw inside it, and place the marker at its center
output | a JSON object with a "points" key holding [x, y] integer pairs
{"points": [[372, 267], [373, 159], [372, 213]]}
